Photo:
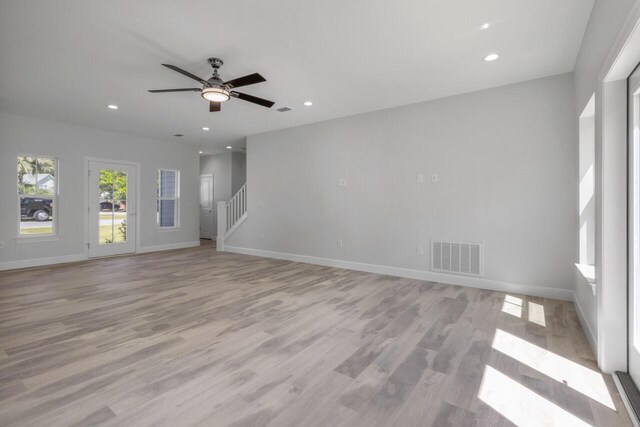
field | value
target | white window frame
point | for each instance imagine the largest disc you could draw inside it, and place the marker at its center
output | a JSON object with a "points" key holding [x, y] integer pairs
{"points": [[54, 200], [176, 199], [587, 212]]}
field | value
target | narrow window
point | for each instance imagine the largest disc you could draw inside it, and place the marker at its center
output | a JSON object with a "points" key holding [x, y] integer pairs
{"points": [[587, 185], [587, 203], [37, 195], [168, 198]]}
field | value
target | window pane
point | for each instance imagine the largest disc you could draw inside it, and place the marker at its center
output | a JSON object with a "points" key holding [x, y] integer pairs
{"points": [[26, 170], [45, 176], [167, 184], [36, 215], [36, 187], [167, 213], [36, 175]]}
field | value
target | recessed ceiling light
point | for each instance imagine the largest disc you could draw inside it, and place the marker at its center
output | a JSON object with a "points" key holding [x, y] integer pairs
{"points": [[112, 107], [491, 57], [308, 103], [205, 128], [229, 147], [484, 26]]}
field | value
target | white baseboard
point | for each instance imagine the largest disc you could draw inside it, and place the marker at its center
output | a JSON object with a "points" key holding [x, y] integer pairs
{"points": [[591, 337], [39, 262], [168, 247], [472, 282]]}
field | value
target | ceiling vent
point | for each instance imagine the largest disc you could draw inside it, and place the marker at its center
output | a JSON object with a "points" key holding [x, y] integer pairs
{"points": [[284, 109], [457, 258]]}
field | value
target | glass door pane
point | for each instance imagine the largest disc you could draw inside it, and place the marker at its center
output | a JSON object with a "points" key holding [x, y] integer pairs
{"points": [[112, 209]]}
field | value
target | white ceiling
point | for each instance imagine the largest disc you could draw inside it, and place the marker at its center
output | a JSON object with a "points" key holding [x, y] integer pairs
{"points": [[67, 59]]}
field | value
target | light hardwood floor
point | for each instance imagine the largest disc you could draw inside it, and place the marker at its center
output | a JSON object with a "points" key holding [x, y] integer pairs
{"points": [[197, 337]]}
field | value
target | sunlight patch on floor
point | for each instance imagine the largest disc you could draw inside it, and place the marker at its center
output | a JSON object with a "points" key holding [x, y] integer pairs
{"points": [[512, 306], [522, 406], [536, 313], [583, 380]]}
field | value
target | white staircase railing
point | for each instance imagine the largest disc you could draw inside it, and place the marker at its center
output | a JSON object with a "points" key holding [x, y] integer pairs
{"points": [[230, 215]]}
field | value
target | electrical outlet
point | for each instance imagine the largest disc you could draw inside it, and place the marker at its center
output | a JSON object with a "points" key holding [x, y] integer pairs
{"points": [[434, 177], [1, 244], [420, 250], [420, 178], [339, 243], [342, 182]]}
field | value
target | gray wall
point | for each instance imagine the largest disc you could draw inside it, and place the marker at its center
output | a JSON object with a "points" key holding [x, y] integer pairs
{"points": [[219, 166], [505, 159], [71, 144], [607, 18], [238, 171]]}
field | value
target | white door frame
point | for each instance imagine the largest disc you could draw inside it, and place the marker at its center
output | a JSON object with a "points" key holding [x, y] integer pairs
{"points": [[87, 205], [213, 206], [611, 190], [632, 332]]}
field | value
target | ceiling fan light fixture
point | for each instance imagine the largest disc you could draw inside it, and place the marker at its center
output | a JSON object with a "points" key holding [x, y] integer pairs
{"points": [[215, 94]]}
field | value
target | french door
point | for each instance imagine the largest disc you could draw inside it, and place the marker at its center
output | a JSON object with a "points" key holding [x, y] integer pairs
{"points": [[112, 208], [633, 316]]}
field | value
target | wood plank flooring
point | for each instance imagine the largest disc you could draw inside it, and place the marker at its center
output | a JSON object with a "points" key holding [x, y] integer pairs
{"points": [[200, 338]]}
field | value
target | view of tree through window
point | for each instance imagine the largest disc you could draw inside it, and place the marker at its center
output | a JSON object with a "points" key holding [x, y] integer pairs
{"points": [[37, 194]]}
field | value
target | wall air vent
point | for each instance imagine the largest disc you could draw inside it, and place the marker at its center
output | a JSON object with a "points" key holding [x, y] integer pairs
{"points": [[457, 258], [284, 109]]}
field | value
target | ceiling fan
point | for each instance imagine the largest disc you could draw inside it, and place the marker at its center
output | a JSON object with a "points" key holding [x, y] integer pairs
{"points": [[217, 91]]}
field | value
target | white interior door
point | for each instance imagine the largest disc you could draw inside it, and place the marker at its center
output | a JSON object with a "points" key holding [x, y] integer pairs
{"points": [[634, 228], [206, 206], [112, 208]]}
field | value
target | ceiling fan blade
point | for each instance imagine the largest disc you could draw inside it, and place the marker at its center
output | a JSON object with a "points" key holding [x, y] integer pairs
{"points": [[254, 99], [192, 89], [214, 106], [251, 79], [186, 73]]}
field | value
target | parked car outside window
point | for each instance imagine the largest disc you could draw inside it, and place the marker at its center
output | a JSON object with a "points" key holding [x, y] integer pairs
{"points": [[38, 208]]}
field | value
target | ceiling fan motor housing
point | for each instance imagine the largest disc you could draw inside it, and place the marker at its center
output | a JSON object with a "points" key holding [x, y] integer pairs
{"points": [[215, 80]]}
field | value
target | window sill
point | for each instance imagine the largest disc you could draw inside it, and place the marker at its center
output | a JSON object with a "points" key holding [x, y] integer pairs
{"points": [[37, 239], [589, 273]]}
